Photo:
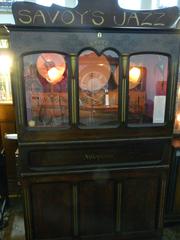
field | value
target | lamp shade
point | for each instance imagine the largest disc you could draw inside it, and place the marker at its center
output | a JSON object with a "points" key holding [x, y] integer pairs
{"points": [[94, 71], [51, 66], [134, 76]]}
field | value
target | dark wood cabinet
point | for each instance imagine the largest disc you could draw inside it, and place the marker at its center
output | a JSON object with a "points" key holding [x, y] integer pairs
{"points": [[95, 204], [173, 192], [119, 194], [94, 110]]}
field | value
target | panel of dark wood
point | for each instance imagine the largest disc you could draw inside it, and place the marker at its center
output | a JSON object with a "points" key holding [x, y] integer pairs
{"points": [[51, 210], [7, 113], [176, 208], [109, 204], [140, 204], [96, 203], [124, 153], [172, 213]]}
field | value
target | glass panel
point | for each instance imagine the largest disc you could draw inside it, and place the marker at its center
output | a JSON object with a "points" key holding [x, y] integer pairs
{"points": [[98, 89], [5, 79], [147, 88], [46, 77]]}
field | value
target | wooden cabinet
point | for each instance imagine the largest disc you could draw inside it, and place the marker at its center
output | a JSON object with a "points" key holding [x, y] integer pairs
{"points": [[94, 114], [95, 204], [173, 192], [112, 189]]}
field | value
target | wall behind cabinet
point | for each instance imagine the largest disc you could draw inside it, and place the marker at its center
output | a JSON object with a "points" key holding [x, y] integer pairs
{"points": [[8, 125]]}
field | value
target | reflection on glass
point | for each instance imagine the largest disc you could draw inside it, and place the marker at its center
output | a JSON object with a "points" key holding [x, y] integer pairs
{"points": [[98, 89], [147, 88], [46, 77]]}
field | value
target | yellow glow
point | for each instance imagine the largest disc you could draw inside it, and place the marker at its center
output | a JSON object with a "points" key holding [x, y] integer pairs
{"points": [[178, 117], [178, 91], [134, 74], [55, 74], [5, 63]]}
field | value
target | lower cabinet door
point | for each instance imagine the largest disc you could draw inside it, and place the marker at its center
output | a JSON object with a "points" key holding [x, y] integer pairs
{"points": [[99, 204], [173, 192]]}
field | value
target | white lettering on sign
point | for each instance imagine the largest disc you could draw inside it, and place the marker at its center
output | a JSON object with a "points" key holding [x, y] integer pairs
{"points": [[88, 17]]}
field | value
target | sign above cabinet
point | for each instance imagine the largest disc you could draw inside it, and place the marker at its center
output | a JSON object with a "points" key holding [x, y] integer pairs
{"points": [[101, 13]]}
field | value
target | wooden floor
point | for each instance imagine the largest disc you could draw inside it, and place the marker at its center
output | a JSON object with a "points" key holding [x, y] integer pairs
{"points": [[15, 225]]}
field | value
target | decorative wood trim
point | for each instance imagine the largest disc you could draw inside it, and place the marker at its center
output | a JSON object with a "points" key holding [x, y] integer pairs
{"points": [[118, 207], [73, 91], [27, 212], [162, 201], [75, 210]]}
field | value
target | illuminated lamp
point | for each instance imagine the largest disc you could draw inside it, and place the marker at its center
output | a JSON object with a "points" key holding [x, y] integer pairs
{"points": [[51, 66], [134, 77]]}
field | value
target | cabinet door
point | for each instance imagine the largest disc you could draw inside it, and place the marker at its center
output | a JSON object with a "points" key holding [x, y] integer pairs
{"points": [[102, 203], [139, 204], [51, 210], [173, 193]]}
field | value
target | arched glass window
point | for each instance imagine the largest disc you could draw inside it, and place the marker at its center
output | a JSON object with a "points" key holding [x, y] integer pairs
{"points": [[98, 89], [148, 75], [46, 87]]}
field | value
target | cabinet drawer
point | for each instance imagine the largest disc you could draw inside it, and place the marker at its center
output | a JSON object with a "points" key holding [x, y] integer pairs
{"points": [[97, 155]]}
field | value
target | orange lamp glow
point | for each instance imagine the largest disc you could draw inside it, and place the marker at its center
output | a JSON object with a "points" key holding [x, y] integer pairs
{"points": [[178, 117], [51, 66], [134, 74], [55, 75]]}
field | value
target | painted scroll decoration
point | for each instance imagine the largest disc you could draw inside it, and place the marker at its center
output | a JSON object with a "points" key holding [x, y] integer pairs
{"points": [[101, 13]]}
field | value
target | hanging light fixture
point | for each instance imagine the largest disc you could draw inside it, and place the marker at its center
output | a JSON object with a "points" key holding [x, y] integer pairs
{"points": [[51, 66], [134, 77]]}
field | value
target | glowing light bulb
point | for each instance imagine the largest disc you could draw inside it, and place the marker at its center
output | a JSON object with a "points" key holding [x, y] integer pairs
{"points": [[178, 117], [5, 63], [134, 74], [55, 75]]}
